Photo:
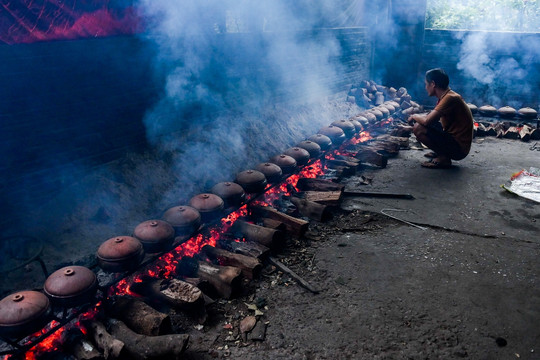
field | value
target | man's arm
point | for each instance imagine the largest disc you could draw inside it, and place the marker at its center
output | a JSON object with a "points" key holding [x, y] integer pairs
{"points": [[425, 120]]}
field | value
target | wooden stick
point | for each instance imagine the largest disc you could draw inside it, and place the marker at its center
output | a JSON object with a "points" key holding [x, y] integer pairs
{"points": [[111, 347], [330, 198], [141, 347], [292, 274], [305, 184], [139, 316], [251, 267], [377, 194]]}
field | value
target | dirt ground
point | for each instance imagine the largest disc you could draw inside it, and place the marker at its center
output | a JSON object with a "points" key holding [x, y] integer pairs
{"points": [[466, 286]]}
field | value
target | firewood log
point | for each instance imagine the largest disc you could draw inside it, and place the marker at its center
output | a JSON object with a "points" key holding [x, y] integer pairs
{"points": [[226, 280], [305, 184], [402, 141], [274, 224], [248, 248], [371, 157], [139, 316], [141, 347], [111, 347], [251, 267], [511, 133], [330, 198], [271, 238], [525, 133], [312, 209], [75, 342], [296, 227]]}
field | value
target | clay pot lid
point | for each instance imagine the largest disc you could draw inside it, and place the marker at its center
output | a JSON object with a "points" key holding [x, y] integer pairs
{"points": [[311, 147], [283, 160], [300, 155], [119, 248], [333, 132], [322, 140], [487, 110], [228, 189], [154, 231], [344, 125], [22, 307], [70, 281], [182, 215], [527, 112], [206, 202], [250, 177], [473, 108], [269, 169]]}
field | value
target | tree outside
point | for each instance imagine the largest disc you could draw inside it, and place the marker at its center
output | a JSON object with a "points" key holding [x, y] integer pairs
{"points": [[494, 15]]}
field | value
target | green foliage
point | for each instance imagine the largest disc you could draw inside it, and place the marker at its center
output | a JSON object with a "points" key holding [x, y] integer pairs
{"points": [[496, 15]]}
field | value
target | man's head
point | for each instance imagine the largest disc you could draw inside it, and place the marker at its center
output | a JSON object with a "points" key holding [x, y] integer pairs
{"points": [[436, 78]]}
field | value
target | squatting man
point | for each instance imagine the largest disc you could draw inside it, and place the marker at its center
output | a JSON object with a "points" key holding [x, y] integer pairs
{"points": [[447, 129]]}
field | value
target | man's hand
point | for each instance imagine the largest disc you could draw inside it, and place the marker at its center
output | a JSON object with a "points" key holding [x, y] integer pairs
{"points": [[412, 119]]}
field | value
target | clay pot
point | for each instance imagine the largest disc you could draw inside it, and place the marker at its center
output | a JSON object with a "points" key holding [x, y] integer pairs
{"points": [[120, 253], [362, 119], [527, 113], [252, 181], [285, 162], [336, 134], [272, 172], [378, 114], [71, 286], [371, 117], [184, 219], [487, 110], [384, 110], [300, 155], [348, 127], [210, 206], [322, 140], [311, 147], [232, 193], [23, 313], [155, 235], [473, 108], [507, 112], [390, 107]]}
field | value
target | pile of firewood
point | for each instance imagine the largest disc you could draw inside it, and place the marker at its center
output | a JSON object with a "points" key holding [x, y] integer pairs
{"points": [[507, 130]]}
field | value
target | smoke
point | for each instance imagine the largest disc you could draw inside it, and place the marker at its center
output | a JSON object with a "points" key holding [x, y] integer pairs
{"points": [[243, 80]]}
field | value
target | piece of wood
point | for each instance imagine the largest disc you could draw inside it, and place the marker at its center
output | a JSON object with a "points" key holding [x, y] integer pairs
{"points": [[535, 134], [271, 238], [371, 157], [402, 141], [344, 170], [330, 198], [248, 248], [296, 227], [306, 184], [80, 347], [311, 209], [225, 280], [251, 266], [141, 347], [111, 347], [278, 264], [377, 194], [384, 147], [525, 133], [402, 131], [274, 224], [511, 133], [259, 331], [139, 316]]}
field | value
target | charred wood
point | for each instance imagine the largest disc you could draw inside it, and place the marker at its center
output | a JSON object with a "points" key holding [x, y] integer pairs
{"points": [[271, 238], [251, 266], [225, 280], [330, 198], [371, 157], [111, 347], [248, 248], [311, 209], [274, 224], [142, 347], [296, 227], [305, 184], [139, 316], [75, 342]]}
